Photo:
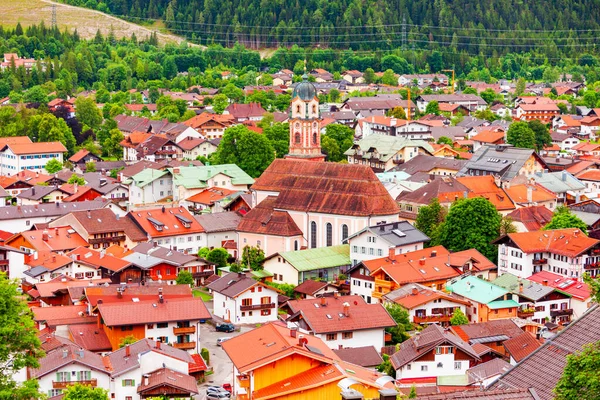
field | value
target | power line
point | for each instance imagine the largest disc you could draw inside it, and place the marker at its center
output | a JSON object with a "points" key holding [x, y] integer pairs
{"points": [[54, 24]]}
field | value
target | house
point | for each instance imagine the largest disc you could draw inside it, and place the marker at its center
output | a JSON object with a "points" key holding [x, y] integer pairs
{"points": [[431, 354], [537, 302], [340, 321], [91, 264], [551, 358], [567, 252], [210, 126], [43, 267], [431, 165], [579, 292], [353, 76], [245, 112], [20, 153], [425, 305], [173, 321], [188, 181], [57, 240], [491, 334], [531, 218], [243, 300], [150, 186], [587, 149], [295, 267], [531, 194], [470, 101], [209, 200], [520, 347], [543, 112], [504, 161], [220, 228], [489, 302], [485, 373], [327, 201], [421, 79], [174, 226], [591, 180], [101, 228], [174, 131], [296, 366], [488, 138], [563, 183], [130, 145], [82, 157], [312, 289], [79, 193], [280, 79], [444, 150], [109, 188], [41, 194], [13, 60], [321, 75], [157, 148], [432, 267], [194, 148], [382, 152], [379, 104], [375, 241]]}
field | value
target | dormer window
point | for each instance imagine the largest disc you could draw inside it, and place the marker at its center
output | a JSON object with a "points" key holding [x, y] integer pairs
{"points": [[159, 226], [184, 221]]}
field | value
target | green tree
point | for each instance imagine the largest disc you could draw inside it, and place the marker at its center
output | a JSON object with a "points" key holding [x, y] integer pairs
{"points": [[19, 344], [337, 139], [129, 339], [594, 285], [386, 366], [205, 355], [563, 218], [430, 217], [112, 145], [488, 95], [580, 378], [433, 107], [90, 166], [520, 135], [203, 252], [85, 392], [218, 256], [253, 257], [220, 103], [389, 78], [36, 95], [279, 137], [87, 112], [471, 224], [249, 150], [459, 318], [413, 392], [286, 288], [53, 166], [397, 112], [507, 226], [541, 134], [369, 76], [403, 324], [76, 179], [445, 140], [520, 88], [184, 278], [332, 149]]}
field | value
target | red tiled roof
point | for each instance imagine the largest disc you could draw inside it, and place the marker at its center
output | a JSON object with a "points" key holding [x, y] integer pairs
{"points": [[63, 283], [586, 147], [97, 259], [37, 147], [172, 219], [539, 107], [577, 289], [487, 329], [90, 337], [266, 220], [48, 259], [489, 137], [245, 110], [360, 316], [568, 242], [75, 158], [56, 239], [521, 346], [324, 187], [61, 315], [310, 287], [533, 218], [152, 311], [88, 191], [198, 365], [518, 193], [167, 377], [109, 294], [485, 186], [425, 295], [589, 175]]}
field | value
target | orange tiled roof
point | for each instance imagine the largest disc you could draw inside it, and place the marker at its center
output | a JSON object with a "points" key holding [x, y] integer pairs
{"points": [[172, 220], [425, 295], [57, 239], [489, 136], [210, 196], [518, 193], [586, 147], [521, 346], [589, 175], [47, 259], [485, 186], [310, 379], [97, 259], [568, 242], [199, 120]]}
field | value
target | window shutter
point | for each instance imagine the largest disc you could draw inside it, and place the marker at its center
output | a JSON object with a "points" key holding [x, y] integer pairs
{"points": [[57, 377], [133, 382], [123, 382]]}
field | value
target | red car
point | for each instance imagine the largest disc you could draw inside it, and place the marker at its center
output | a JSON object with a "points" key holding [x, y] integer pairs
{"points": [[227, 386]]}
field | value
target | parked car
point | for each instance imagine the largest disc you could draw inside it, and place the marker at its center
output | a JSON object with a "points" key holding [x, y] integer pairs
{"points": [[217, 389], [227, 386], [221, 340], [217, 395], [225, 327]]}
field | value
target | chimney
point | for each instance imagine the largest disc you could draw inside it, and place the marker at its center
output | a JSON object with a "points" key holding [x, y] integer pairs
{"points": [[422, 261], [65, 353], [127, 351], [415, 291], [45, 235], [564, 176], [89, 214], [33, 190], [302, 340], [434, 253], [323, 302], [119, 293], [161, 299], [55, 231], [392, 254], [158, 345], [163, 209], [75, 187], [117, 217], [529, 194], [53, 259], [293, 332], [545, 282], [468, 286], [336, 294], [154, 244], [465, 194], [520, 286], [347, 309]]}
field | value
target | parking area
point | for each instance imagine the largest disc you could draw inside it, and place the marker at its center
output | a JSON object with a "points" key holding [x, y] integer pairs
{"points": [[222, 366]]}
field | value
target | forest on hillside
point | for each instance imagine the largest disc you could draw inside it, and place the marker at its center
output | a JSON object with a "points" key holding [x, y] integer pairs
{"points": [[554, 28]]}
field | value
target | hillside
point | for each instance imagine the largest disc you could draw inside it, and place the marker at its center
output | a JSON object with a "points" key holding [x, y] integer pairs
{"points": [[470, 25], [87, 22]]}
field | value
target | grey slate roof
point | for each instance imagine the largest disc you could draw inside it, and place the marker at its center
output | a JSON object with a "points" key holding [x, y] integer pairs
{"points": [[502, 160], [38, 192], [542, 369], [587, 217], [531, 290], [558, 182], [100, 183], [425, 163], [366, 356], [396, 233], [471, 122], [219, 222], [386, 146], [451, 132], [512, 394], [49, 209]]}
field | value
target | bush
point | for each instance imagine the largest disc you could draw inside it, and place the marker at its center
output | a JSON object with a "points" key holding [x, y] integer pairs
{"points": [[205, 355]]}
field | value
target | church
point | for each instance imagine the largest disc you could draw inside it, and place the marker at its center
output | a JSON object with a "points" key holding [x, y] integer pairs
{"points": [[302, 201]]}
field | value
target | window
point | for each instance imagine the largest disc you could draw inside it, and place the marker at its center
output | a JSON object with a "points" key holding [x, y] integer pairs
{"points": [[328, 234], [128, 382], [313, 235], [423, 368], [295, 245], [344, 232], [379, 253], [63, 376], [363, 250], [265, 312], [150, 326], [84, 375], [297, 138], [408, 367], [440, 365], [457, 365], [331, 336], [246, 302], [315, 138], [347, 335], [355, 249], [54, 392], [162, 325], [127, 328]]}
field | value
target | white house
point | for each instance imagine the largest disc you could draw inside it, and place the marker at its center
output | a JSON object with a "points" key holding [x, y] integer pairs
{"points": [[376, 241], [150, 186], [20, 153], [567, 252], [340, 321], [431, 354], [243, 300], [581, 296], [188, 181]]}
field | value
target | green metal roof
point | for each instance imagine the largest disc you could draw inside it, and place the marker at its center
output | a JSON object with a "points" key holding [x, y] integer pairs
{"points": [[261, 274], [147, 176], [197, 176], [494, 305], [531, 290], [323, 257], [476, 289]]}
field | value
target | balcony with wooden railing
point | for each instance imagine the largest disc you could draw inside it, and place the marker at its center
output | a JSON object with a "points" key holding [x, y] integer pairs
{"points": [[65, 384], [184, 330], [540, 261], [431, 319], [525, 312], [107, 239], [184, 345], [560, 313], [383, 283], [203, 274], [261, 306]]}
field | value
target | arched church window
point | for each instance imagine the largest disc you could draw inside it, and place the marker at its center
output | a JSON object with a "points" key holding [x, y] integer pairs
{"points": [[313, 235], [328, 234], [298, 108], [315, 138], [314, 109], [297, 137]]}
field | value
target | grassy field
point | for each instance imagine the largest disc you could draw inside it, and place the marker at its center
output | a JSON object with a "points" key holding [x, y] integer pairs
{"points": [[87, 22], [202, 294]]}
